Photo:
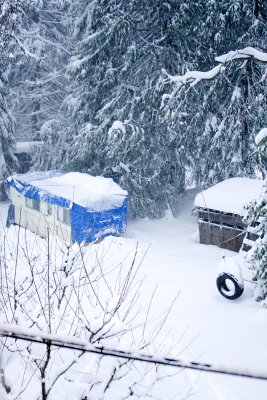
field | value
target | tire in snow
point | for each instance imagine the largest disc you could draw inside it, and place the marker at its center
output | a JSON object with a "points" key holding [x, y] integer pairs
{"points": [[229, 286]]}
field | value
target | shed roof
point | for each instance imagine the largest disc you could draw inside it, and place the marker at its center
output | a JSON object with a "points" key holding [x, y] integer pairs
{"points": [[27, 147], [93, 192], [230, 195]]}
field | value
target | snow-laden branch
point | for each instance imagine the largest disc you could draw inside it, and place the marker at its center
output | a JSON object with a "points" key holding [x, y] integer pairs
{"points": [[247, 52], [16, 332], [25, 50], [193, 77], [261, 137]]}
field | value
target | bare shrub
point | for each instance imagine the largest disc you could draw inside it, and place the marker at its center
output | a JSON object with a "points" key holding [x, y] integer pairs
{"points": [[88, 292]]}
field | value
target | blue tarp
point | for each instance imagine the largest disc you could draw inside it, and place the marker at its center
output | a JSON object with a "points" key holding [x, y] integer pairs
{"points": [[22, 184], [86, 225]]}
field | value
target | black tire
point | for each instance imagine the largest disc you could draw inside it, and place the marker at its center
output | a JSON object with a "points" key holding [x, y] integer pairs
{"points": [[230, 293]]}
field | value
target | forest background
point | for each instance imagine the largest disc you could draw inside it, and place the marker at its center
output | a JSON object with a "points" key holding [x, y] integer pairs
{"points": [[91, 80]]}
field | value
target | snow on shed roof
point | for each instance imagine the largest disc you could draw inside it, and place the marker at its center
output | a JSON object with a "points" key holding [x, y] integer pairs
{"points": [[230, 195], [93, 192], [26, 147]]}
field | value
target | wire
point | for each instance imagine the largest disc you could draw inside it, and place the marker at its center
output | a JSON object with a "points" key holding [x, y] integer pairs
{"points": [[13, 331]]}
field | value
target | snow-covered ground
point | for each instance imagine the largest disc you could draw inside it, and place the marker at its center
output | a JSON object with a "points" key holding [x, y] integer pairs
{"points": [[203, 325], [230, 333]]}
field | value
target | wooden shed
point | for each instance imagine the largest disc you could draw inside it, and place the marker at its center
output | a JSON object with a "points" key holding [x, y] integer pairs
{"points": [[221, 209], [24, 152]]}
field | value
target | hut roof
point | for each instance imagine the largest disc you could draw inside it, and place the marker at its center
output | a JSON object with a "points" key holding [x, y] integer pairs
{"points": [[93, 192], [231, 195]]}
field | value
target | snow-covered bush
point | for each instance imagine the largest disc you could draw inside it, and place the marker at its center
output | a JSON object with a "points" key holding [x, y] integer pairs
{"points": [[88, 292], [256, 219]]}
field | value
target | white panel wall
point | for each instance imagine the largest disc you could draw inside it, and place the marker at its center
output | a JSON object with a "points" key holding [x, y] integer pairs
{"points": [[39, 222]]}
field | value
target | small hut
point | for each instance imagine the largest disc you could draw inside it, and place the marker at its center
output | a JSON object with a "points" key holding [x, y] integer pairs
{"points": [[221, 209], [77, 207], [24, 152]]}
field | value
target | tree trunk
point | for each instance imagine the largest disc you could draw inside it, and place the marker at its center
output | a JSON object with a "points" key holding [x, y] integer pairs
{"points": [[43, 371]]}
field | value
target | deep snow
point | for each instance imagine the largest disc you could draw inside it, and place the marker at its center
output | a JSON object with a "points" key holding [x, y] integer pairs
{"points": [[230, 333], [205, 326]]}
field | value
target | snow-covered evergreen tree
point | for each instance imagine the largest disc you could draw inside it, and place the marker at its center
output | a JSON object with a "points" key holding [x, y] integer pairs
{"points": [[220, 116], [124, 112], [7, 158], [117, 101], [256, 218], [8, 19], [39, 85]]}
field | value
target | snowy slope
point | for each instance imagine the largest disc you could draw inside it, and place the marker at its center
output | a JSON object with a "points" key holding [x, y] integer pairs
{"points": [[202, 325]]}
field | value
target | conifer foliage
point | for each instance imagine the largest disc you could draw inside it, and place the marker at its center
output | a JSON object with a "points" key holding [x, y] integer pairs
{"points": [[38, 83], [221, 116], [117, 100], [256, 218], [88, 80], [9, 13]]}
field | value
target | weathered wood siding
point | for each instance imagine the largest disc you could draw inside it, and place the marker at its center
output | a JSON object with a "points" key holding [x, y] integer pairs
{"points": [[224, 230]]}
